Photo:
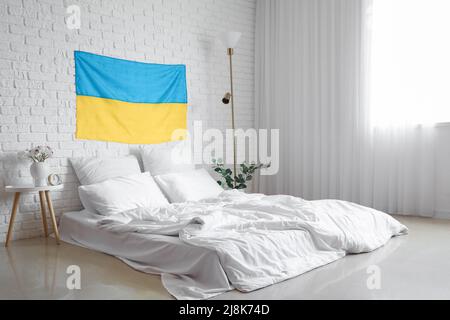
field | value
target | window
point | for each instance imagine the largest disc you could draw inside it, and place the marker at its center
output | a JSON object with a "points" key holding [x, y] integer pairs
{"points": [[410, 55]]}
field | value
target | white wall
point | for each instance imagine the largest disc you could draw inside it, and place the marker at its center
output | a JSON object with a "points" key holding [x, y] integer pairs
{"points": [[37, 93]]}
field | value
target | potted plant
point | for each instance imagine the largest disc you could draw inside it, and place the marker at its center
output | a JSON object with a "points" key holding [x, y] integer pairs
{"points": [[240, 179], [38, 169]]}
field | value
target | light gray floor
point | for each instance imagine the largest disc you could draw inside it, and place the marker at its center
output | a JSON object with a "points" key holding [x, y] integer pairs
{"points": [[416, 266]]}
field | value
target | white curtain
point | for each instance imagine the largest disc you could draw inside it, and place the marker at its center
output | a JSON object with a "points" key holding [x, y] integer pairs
{"points": [[313, 82]]}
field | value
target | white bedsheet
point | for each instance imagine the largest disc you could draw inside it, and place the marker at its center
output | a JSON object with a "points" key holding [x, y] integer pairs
{"points": [[261, 240], [186, 271]]}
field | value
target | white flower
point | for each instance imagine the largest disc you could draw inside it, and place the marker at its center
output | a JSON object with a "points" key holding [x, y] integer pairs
{"points": [[37, 154]]}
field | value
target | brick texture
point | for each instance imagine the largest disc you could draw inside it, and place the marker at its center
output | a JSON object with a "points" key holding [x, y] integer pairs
{"points": [[37, 92]]}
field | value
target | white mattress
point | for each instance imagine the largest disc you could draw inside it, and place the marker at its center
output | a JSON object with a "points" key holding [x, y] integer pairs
{"points": [[157, 254]]}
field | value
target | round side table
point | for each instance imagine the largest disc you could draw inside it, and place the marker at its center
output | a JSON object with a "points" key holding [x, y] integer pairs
{"points": [[44, 196]]}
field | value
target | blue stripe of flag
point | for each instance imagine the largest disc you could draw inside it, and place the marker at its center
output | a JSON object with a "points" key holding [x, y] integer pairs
{"points": [[129, 81]]}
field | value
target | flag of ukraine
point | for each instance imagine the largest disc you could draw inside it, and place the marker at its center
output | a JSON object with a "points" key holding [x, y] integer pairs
{"points": [[126, 101]]}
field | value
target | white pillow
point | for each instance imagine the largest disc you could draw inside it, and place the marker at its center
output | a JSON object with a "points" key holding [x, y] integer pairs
{"points": [[193, 185], [121, 194], [95, 170], [167, 158]]}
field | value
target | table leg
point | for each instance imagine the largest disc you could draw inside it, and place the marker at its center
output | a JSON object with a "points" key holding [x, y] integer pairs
{"points": [[43, 214], [52, 215], [13, 216]]}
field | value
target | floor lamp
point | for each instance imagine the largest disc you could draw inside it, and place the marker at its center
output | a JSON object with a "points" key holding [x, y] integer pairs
{"points": [[230, 40]]}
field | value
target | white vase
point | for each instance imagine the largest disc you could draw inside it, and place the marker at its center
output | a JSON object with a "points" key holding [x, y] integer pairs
{"points": [[39, 172]]}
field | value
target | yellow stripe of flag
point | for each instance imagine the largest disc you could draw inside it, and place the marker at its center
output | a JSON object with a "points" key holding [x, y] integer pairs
{"points": [[118, 121]]}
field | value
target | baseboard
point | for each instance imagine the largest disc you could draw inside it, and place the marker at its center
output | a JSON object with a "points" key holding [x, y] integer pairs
{"points": [[442, 214]]}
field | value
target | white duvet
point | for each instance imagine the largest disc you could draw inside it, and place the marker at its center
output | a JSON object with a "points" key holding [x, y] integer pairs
{"points": [[262, 240]]}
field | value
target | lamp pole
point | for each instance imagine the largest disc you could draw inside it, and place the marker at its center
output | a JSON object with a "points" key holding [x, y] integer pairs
{"points": [[230, 54], [230, 39]]}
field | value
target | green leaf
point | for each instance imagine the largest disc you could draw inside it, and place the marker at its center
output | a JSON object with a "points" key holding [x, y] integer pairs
{"points": [[236, 180]]}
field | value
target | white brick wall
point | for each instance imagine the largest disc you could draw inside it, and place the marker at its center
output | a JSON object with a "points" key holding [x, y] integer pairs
{"points": [[37, 93]]}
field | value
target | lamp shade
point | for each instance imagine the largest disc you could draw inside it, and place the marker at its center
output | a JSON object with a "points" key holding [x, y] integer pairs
{"points": [[230, 39]]}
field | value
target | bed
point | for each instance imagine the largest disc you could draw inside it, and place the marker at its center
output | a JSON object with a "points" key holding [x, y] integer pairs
{"points": [[177, 221]]}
